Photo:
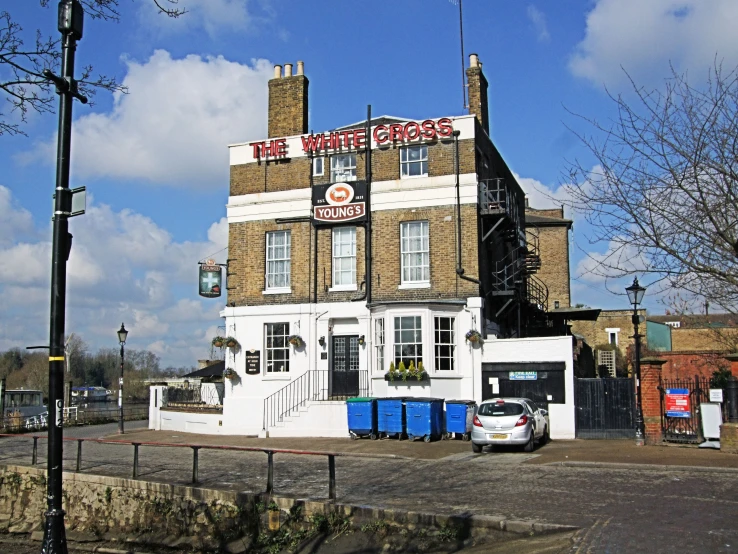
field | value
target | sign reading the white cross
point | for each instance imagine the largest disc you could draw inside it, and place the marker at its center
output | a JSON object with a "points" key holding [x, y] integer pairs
{"points": [[210, 279]]}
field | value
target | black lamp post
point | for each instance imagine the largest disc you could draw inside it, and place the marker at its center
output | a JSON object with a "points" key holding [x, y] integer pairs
{"points": [[70, 24], [635, 296], [122, 336]]}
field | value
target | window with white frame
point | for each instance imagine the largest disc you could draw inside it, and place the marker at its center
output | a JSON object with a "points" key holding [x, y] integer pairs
{"points": [[344, 256], [318, 166], [343, 168], [408, 340], [414, 161], [612, 335], [278, 260], [379, 343], [277, 347], [414, 249], [444, 343]]}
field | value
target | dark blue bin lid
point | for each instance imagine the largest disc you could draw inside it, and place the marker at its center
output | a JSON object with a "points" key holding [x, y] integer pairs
{"points": [[413, 399], [460, 402]]}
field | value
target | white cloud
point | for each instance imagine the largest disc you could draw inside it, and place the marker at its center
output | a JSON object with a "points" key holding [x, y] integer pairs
{"points": [[122, 267], [643, 37], [214, 16], [538, 19], [175, 124], [14, 221]]}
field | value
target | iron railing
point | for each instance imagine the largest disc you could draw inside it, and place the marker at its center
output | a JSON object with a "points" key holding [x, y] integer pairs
{"points": [[73, 415], [311, 386], [270, 452], [684, 429], [192, 397]]}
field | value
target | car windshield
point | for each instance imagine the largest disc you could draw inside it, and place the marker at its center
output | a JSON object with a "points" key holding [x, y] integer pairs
{"points": [[498, 410]]}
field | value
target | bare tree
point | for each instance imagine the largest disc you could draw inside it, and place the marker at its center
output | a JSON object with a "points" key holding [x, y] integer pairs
{"points": [[664, 193], [23, 59]]}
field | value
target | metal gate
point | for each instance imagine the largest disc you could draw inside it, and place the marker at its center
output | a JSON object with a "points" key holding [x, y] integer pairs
{"points": [[604, 408], [683, 426]]}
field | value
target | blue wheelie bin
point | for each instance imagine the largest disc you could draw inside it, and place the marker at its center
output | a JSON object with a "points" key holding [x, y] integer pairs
{"points": [[459, 417], [424, 418], [391, 416], [362, 417]]}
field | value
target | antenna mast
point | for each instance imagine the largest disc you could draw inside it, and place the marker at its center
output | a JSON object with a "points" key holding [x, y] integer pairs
{"points": [[463, 76]]}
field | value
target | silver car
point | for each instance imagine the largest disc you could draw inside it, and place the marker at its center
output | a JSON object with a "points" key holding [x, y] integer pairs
{"points": [[509, 421]]}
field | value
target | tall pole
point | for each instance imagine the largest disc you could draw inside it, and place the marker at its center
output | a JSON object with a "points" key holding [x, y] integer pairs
{"points": [[640, 432], [120, 391], [70, 23]]}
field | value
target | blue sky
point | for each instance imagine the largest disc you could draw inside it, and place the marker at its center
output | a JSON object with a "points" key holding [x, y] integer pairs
{"points": [[155, 161]]}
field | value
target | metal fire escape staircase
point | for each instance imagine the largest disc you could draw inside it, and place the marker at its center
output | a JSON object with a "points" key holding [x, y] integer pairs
{"points": [[513, 278]]}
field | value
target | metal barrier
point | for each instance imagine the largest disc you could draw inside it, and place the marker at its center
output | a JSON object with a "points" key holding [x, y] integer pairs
{"points": [[270, 452]]}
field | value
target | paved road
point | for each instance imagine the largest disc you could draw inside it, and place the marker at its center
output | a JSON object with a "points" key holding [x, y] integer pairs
{"points": [[638, 509]]}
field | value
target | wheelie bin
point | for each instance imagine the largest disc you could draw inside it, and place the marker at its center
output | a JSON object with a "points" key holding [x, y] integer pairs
{"points": [[391, 416], [459, 418], [424, 418], [362, 417]]}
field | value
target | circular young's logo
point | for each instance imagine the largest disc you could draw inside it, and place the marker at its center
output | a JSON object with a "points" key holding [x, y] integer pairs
{"points": [[339, 194]]}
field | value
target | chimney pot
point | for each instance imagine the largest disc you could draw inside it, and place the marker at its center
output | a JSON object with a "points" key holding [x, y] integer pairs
{"points": [[288, 70], [277, 71], [300, 68], [473, 60]]}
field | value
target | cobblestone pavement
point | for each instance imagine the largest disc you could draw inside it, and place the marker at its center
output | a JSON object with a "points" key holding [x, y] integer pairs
{"points": [[637, 508]]}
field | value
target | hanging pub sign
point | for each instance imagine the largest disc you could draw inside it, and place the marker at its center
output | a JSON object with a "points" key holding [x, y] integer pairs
{"points": [[210, 279], [339, 202]]}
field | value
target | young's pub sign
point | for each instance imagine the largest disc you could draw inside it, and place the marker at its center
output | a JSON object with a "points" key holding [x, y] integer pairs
{"points": [[339, 203]]}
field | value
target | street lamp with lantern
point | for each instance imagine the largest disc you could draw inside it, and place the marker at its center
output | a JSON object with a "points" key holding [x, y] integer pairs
{"points": [[635, 296], [122, 336]]}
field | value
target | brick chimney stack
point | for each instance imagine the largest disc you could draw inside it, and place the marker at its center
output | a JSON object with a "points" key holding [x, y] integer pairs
{"points": [[288, 102], [478, 91]]}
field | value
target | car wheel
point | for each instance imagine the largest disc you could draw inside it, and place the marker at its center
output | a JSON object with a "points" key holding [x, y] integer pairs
{"points": [[531, 444], [477, 448]]}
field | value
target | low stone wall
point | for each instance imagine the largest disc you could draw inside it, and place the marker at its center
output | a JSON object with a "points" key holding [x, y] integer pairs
{"points": [[159, 514], [729, 438]]}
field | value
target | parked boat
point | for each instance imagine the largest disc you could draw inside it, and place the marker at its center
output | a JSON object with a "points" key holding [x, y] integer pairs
{"points": [[89, 394], [23, 403]]}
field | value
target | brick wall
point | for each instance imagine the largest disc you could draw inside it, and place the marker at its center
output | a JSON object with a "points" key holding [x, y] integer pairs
{"points": [[294, 173], [685, 365], [442, 232], [594, 331], [288, 106], [247, 252], [554, 251], [478, 102], [651, 398], [704, 338]]}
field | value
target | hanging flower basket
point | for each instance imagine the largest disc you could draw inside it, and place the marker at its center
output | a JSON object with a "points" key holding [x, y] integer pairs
{"points": [[473, 336], [230, 374], [295, 340], [231, 342], [218, 342]]}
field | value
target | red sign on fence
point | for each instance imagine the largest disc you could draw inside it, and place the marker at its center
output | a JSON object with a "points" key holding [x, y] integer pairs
{"points": [[677, 402]]}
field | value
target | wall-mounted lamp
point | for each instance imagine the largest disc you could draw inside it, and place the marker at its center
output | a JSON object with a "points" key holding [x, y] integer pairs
{"points": [[361, 340], [321, 341]]}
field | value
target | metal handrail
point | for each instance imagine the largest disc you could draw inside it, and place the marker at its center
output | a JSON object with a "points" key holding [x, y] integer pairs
{"points": [[313, 385], [270, 452]]}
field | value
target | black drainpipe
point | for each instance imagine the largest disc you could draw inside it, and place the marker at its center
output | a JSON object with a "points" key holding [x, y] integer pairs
{"points": [[368, 226], [315, 230], [459, 268]]}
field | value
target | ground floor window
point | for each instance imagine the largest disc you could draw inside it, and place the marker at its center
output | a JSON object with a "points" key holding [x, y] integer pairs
{"points": [[379, 344], [444, 342], [408, 340], [277, 347]]}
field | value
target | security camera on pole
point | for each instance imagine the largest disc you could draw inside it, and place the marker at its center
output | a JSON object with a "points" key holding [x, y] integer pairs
{"points": [[66, 205]]}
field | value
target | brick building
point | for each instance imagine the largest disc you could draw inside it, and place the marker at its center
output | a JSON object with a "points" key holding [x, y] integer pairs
{"points": [[382, 242]]}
